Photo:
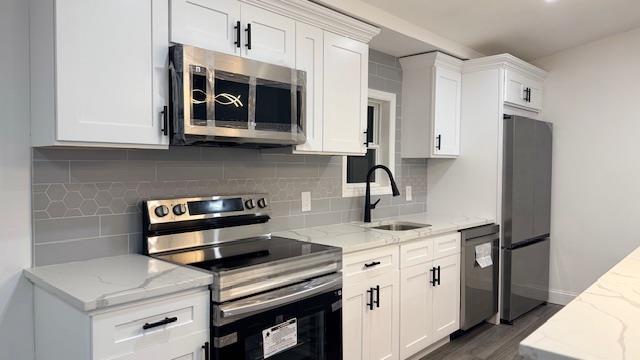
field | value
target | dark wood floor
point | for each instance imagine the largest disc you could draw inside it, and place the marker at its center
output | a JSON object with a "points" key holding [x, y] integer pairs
{"points": [[494, 342]]}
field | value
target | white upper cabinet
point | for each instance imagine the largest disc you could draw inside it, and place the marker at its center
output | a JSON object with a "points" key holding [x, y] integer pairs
{"points": [[345, 94], [99, 74], [431, 102], [446, 122], [522, 91], [309, 47], [207, 24], [268, 37]]}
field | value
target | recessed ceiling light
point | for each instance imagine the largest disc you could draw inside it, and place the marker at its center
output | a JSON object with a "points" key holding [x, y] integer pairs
{"points": [[550, 1]]}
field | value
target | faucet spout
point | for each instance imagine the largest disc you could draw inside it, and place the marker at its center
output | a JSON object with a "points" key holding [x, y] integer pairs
{"points": [[367, 197]]}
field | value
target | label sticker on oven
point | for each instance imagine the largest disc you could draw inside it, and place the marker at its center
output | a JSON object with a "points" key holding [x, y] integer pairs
{"points": [[280, 337]]}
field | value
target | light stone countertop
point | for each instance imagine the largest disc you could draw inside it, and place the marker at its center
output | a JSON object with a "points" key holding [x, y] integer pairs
{"points": [[358, 236], [99, 283], [603, 322]]}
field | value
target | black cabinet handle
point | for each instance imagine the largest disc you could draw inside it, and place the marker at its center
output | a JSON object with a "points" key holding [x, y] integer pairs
{"points": [[366, 143], [372, 264], [438, 278], [165, 321], [370, 294], [438, 142], [248, 30], [237, 28], [165, 122], [433, 276], [527, 94], [205, 348], [377, 296]]}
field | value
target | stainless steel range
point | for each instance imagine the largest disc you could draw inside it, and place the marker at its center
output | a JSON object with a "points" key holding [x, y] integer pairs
{"points": [[272, 297]]}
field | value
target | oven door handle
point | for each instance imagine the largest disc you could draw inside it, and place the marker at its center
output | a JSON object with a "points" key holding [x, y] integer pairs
{"points": [[279, 297]]}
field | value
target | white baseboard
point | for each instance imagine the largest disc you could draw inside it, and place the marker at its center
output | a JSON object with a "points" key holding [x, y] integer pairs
{"points": [[561, 297]]}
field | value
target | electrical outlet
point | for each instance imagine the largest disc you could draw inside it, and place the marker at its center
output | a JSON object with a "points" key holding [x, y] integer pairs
{"points": [[407, 192], [306, 201]]}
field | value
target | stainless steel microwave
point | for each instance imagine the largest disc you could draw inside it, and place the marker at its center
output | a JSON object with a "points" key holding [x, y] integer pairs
{"points": [[224, 99]]}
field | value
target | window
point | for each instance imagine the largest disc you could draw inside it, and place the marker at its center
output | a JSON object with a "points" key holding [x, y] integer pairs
{"points": [[381, 131]]}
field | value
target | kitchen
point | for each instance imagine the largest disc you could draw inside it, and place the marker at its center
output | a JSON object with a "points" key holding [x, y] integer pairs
{"points": [[133, 234]]}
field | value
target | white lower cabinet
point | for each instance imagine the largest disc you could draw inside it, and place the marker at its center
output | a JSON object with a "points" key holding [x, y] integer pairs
{"points": [[416, 294], [371, 305], [168, 328], [418, 287], [446, 297]]}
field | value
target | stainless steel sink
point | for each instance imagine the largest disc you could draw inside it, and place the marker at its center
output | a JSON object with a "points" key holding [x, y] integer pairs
{"points": [[400, 226]]}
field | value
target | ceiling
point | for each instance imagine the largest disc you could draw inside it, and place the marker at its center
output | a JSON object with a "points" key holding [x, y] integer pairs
{"points": [[529, 29]]}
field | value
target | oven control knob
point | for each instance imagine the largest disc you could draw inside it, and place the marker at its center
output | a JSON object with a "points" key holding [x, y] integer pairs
{"points": [[262, 203], [249, 204], [179, 209], [161, 211]]}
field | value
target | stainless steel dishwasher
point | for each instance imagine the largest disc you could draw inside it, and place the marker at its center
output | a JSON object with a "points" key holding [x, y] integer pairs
{"points": [[479, 276]]}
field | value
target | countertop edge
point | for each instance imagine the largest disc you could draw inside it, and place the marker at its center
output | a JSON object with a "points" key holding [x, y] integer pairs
{"points": [[116, 300]]}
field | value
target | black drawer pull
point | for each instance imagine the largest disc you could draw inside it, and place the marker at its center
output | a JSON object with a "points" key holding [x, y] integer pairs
{"points": [[372, 264], [167, 320], [438, 270]]}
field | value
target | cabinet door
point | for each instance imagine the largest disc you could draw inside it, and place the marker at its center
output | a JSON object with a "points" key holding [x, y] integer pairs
{"points": [[447, 97], [207, 24], [345, 94], [354, 320], [384, 323], [416, 306], [191, 347], [309, 58], [111, 71], [446, 297], [517, 89], [268, 36]]}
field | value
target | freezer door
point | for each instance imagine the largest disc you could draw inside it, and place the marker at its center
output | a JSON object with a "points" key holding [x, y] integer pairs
{"points": [[526, 179], [526, 278]]}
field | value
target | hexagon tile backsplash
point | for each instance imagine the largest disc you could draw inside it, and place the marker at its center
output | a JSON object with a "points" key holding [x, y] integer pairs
{"points": [[86, 201]]}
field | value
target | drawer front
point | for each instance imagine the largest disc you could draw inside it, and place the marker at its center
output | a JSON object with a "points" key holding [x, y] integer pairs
{"points": [[370, 263], [446, 245], [191, 347], [149, 324], [416, 252]]}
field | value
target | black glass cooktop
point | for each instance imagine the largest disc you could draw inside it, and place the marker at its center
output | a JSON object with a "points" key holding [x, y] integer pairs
{"points": [[244, 253]]}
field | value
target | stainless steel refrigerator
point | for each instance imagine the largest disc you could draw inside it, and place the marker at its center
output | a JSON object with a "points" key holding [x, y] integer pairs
{"points": [[526, 208]]}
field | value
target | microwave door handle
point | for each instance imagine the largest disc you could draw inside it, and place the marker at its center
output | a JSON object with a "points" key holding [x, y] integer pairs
{"points": [[279, 297]]}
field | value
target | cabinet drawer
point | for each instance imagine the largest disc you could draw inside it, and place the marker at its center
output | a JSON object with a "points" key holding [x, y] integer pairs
{"points": [[371, 262], [122, 332], [416, 252], [190, 347], [446, 245]]}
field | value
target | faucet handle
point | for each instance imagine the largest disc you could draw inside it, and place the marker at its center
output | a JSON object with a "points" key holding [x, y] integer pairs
{"points": [[373, 206]]}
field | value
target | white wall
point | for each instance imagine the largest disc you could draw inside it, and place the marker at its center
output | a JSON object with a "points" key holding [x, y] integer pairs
{"points": [[592, 95], [16, 294]]}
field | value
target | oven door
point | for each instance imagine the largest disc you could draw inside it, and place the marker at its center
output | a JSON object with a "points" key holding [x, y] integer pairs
{"points": [[302, 321]]}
